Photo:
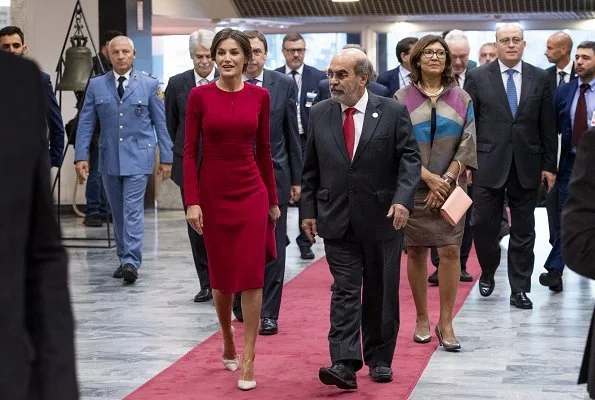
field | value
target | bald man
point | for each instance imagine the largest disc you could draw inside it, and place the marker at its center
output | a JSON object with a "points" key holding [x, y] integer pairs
{"points": [[361, 168], [558, 48]]}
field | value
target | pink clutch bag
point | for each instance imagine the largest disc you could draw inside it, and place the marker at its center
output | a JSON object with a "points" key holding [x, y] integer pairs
{"points": [[457, 204]]}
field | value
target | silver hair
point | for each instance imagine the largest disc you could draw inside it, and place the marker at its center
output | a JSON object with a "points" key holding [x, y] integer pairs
{"points": [[201, 37], [455, 36], [509, 25], [119, 39], [355, 46]]}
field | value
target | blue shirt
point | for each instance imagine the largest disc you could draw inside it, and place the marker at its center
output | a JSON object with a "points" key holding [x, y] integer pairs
{"points": [[589, 98]]}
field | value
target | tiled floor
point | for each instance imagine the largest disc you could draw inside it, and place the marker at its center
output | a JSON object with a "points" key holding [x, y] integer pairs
{"points": [[127, 334]]}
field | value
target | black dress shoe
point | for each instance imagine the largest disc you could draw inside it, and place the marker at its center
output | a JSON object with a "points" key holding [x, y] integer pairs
{"points": [[268, 326], [205, 294], [466, 276], [486, 285], [553, 279], [433, 279], [339, 375], [93, 221], [381, 374], [119, 273], [237, 307], [129, 273], [306, 253], [520, 300], [106, 218]]}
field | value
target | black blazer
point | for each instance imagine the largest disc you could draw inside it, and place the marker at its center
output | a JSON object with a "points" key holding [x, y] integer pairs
{"points": [[553, 77], [310, 78], [37, 329], [530, 136], [578, 236], [55, 125], [285, 139], [391, 80], [385, 170], [176, 97], [324, 91]]}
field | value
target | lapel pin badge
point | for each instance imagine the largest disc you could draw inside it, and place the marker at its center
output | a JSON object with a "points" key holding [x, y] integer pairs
{"points": [[375, 115]]}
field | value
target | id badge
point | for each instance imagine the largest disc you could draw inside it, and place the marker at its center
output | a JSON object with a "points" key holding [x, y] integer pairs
{"points": [[310, 96], [593, 119]]}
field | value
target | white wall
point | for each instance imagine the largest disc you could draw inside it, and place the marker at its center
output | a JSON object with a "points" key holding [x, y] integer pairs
{"points": [[45, 23]]}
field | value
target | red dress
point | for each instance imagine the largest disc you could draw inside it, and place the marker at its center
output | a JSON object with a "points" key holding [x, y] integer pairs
{"points": [[236, 185]]}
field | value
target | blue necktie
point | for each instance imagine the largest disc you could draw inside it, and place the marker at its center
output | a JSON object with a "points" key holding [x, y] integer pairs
{"points": [[253, 81], [511, 92]]}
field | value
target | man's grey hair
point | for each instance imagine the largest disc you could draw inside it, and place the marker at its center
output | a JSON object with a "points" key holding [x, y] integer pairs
{"points": [[509, 25], [363, 66], [120, 39], [201, 37], [456, 36], [355, 46]]}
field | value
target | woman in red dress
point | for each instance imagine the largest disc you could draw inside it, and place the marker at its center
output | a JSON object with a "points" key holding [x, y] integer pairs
{"points": [[233, 197]]}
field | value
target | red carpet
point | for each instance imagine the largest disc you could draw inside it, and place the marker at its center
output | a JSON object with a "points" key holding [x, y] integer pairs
{"points": [[287, 364]]}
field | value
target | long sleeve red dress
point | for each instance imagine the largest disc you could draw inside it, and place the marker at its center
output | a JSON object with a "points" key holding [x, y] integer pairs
{"points": [[235, 183]]}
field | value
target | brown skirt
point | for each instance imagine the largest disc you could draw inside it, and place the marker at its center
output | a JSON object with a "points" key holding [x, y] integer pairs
{"points": [[427, 228]]}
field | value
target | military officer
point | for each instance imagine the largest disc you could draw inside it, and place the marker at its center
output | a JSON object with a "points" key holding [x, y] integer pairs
{"points": [[132, 121]]}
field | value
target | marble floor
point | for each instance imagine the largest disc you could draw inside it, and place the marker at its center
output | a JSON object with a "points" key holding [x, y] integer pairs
{"points": [[127, 334]]}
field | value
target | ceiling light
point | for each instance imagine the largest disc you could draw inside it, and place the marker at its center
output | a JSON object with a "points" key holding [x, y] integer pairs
{"points": [[344, 1]]}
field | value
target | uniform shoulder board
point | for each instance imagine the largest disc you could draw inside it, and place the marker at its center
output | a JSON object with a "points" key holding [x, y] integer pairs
{"points": [[148, 74]]}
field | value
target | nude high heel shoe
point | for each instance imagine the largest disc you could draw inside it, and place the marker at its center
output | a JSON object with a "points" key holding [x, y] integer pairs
{"points": [[448, 345], [242, 383], [233, 364]]}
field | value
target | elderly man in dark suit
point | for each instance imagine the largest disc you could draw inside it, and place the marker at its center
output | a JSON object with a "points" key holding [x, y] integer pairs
{"points": [[516, 150], [12, 40], [361, 168], [307, 79], [176, 97], [399, 77], [37, 345], [578, 233], [574, 109]]}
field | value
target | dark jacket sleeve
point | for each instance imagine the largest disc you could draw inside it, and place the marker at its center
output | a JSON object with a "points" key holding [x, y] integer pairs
{"points": [[310, 172], [578, 217], [171, 109], [54, 123], [292, 135], [547, 128]]}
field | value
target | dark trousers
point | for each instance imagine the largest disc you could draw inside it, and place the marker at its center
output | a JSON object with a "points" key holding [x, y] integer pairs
{"points": [[199, 252], [274, 271], [485, 222], [555, 259], [302, 239], [552, 205], [377, 265], [94, 193]]}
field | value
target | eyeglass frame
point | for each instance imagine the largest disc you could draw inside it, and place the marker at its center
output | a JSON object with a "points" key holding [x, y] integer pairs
{"points": [[434, 53], [340, 75], [291, 51], [514, 40]]}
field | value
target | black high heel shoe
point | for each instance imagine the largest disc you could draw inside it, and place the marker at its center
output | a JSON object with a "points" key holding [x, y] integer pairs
{"points": [[453, 345]]}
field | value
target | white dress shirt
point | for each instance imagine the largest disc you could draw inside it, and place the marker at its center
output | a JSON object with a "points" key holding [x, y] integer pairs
{"points": [[298, 81], [358, 117], [567, 69], [198, 78], [404, 76], [516, 77], [125, 83]]}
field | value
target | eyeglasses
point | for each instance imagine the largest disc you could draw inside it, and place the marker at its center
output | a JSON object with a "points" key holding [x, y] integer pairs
{"points": [[515, 40], [339, 75], [428, 53], [291, 51]]}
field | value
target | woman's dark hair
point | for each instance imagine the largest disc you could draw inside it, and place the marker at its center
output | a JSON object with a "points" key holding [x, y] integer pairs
{"points": [[416, 54], [239, 37]]}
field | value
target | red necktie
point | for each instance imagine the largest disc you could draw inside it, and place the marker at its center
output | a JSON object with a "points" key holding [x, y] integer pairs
{"points": [[458, 79], [349, 130], [580, 116]]}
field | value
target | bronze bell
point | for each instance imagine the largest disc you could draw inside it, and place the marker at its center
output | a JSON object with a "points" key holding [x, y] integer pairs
{"points": [[77, 65]]}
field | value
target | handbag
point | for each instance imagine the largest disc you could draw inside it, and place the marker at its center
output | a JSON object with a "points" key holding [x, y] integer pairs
{"points": [[457, 204]]}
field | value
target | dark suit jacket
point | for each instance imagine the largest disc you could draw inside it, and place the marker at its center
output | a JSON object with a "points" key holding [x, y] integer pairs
{"points": [[310, 78], [562, 105], [385, 170], [324, 91], [553, 77], [578, 235], [54, 122], [176, 97], [391, 80], [530, 136], [285, 139], [37, 332]]}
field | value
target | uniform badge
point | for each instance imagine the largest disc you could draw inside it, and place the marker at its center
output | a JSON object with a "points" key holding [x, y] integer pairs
{"points": [[139, 110]]}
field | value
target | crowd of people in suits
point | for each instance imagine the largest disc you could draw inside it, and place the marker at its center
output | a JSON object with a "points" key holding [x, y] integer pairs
{"points": [[370, 163]]}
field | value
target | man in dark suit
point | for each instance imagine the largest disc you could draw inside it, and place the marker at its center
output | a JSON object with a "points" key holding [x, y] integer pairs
{"points": [[399, 77], [287, 162], [37, 345], [574, 109], [176, 97], [558, 48], [361, 168], [12, 40], [307, 79], [458, 46], [516, 150], [578, 233]]}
